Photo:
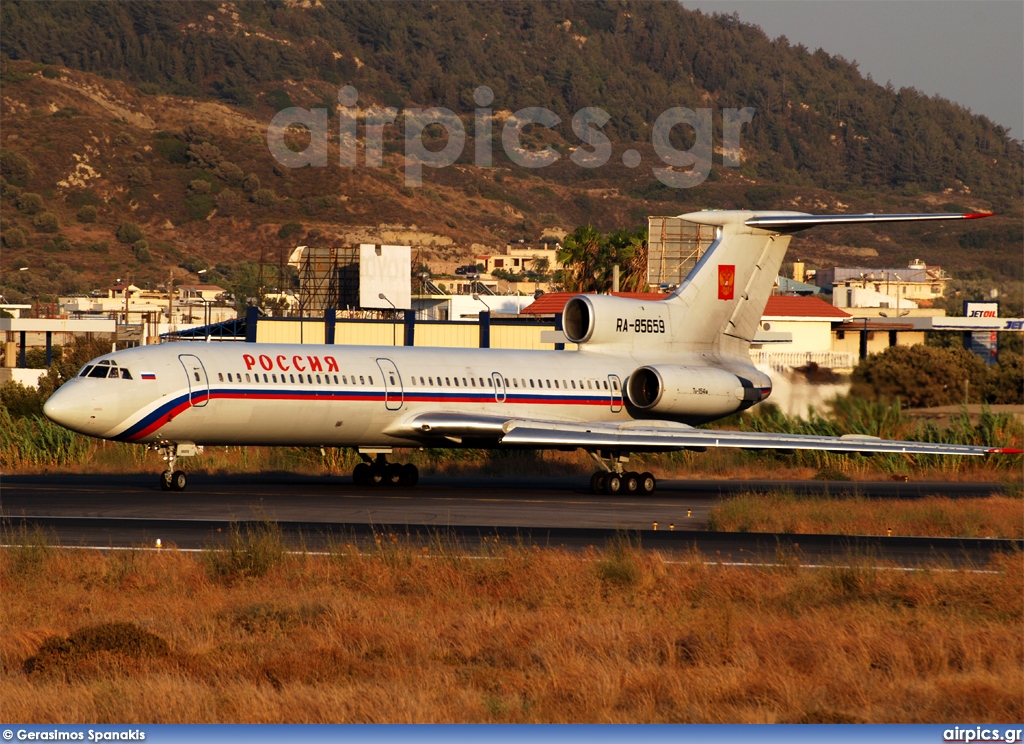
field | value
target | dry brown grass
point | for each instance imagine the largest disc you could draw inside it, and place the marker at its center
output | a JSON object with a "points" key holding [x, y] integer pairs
{"points": [[932, 516], [515, 636]]}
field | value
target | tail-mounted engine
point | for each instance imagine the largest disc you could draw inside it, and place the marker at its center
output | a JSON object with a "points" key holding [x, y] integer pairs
{"points": [[603, 319], [668, 389]]}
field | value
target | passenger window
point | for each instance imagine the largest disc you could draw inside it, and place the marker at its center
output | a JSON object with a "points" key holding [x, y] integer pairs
{"points": [[265, 378], [196, 374], [447, 382], [361, 380], [220, 377], [556, 383], [344, 379], [549, 383], [531, 383], [588, 385], [574, 384], [604, 383], [273, 377], [456, 382], [431, 379], [392, 378], [335, 379], [318, 379], [515, 382], [464, 382], [370, 378]]}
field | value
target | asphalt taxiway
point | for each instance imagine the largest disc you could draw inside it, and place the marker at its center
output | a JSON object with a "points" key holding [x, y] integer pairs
{"points": [[324, 511]]}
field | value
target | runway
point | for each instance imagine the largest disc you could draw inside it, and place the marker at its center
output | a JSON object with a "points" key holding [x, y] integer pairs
{"points": [[324, 511]]}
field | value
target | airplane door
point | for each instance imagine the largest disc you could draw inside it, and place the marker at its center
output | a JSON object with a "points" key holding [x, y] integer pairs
{"points": [[394, 393], [615, 389], [499, 387], [198, 383]]}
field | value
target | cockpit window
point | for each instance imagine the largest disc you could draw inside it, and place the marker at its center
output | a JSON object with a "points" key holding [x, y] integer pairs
{"points": [[99, 371], [125, 374], [85, 370]]}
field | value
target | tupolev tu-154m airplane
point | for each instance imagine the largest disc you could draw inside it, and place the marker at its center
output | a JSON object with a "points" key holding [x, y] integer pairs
{"points": [[644, 374]]}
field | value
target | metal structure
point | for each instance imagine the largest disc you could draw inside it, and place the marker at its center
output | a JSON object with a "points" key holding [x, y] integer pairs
{"points": [[328, 278], [674, 246]]}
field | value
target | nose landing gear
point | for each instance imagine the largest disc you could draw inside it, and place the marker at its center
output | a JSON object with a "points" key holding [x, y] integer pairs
{"points": [[378, 471], [171, 479]]}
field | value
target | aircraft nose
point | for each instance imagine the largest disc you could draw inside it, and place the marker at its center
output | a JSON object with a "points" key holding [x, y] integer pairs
{"points": [[69, 408]]}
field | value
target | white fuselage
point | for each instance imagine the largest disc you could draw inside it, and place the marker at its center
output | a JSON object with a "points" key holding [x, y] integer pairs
{"points": [[284, 394]]}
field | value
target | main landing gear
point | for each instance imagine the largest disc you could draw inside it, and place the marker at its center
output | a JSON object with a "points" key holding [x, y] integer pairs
{"points": [[171, 479], [377, 471], [614, 479]]}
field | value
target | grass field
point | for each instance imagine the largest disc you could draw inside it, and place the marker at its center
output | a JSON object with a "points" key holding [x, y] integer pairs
{"points": [[933, 516], [512, 635]]}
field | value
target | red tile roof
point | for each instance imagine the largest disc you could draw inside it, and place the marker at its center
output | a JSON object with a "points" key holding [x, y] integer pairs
{"points": [[552, 303], [801, 307]]}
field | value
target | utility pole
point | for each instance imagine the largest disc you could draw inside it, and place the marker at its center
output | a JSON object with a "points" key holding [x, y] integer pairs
{"points": [[170, 300]]}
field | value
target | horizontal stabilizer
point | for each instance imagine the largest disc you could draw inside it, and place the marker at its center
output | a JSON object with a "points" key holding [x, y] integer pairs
{"points": [[791, 222]]}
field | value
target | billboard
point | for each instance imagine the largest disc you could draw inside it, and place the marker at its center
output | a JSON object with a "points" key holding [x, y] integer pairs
{"points": [[983, 343], [385, 270]]}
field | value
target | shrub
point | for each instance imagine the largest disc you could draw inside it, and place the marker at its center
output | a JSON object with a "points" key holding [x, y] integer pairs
{"points": [[230, 173], [101, 246], [141, 250], [264, 197], [129, 232], [140, 176], [30, 203], [288, 229], [920, 376], [199, 186], [59, 243], [196, 133], [87, 214], [67, 112], [228, 202], [46, 222], [174, 150], [14, 237], [15, 167], [251, 183], [204, 155], [199, 206], [125, 139]]}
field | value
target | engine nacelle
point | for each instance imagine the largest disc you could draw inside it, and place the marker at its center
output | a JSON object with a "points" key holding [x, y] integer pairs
{"points": [[693, 391], [604, 319]]}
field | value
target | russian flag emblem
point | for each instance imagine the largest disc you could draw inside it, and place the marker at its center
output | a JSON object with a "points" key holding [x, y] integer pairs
{"points": [[148, 376]]}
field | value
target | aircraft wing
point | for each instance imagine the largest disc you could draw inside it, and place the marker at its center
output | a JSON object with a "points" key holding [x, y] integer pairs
{"points": [[653, 436]]}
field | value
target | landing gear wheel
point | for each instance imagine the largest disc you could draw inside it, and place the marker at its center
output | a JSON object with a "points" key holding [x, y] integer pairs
{"points": [[410, 475], [647, 484], [165, 480], [393, 474], [178, 480], [361, 474], [597, 482], [630, 483], [613, 484]]}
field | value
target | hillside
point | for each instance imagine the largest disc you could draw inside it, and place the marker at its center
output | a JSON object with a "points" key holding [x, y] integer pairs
{"points": [[155, 114]]}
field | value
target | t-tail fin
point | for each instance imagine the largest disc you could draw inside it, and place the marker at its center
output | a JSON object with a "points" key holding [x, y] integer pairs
{"points": [[723, 298]]}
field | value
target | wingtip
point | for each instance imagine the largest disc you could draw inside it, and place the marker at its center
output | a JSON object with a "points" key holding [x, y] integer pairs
{"points": [[1005, 451], [977, 215]]}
